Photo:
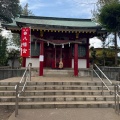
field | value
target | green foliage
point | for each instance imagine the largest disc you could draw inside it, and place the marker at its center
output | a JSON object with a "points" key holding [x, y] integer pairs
{"points": [[16, 39], [9, 9], [93, 54], [100, 4], [12, 55], [104, 2], [102, 56], [3, 51], [109, 17]]}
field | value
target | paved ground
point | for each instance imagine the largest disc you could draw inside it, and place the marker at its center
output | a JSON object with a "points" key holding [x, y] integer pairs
{"points": [[60, 79], [36, 79], [39, 78], [66, 114]]}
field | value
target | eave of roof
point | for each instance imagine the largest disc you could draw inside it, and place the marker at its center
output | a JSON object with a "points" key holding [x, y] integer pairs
{"points": [[52, 22], [11, 25]]}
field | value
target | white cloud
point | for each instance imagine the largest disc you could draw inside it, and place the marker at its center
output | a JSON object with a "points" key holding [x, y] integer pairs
{"points": [[36, 6], [95, 42], [23, 1], [6, 34], [80, 12], [82, 7]]}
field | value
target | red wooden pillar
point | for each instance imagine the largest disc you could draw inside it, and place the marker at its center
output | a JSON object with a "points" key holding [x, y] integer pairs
{"points": [[87, 50], [75, 59], [41, 58], [24, 62]]}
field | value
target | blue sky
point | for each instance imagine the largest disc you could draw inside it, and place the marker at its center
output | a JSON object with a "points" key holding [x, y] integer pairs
{"points": [[61, 8]]}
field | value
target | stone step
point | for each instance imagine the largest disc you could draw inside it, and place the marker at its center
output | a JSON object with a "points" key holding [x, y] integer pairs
{"points": [[57, 98], [58, 72], [55, 87], [63, 104], [44, 91], [53, 94], [53, 83], [57, 92]]}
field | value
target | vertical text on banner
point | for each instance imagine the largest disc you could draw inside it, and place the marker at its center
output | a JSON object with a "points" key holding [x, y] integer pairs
{"points": [[25, 41]]}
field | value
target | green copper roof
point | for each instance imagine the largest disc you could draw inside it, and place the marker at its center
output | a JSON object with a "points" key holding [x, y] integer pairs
{"points": [[50, 21], [39, 21]]}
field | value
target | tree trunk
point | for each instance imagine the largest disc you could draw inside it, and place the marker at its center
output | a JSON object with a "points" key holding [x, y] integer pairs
{"points": [[116, 56]]}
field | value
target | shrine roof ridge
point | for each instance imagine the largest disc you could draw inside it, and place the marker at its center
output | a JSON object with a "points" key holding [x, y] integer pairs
{"points": [[54, 18]]}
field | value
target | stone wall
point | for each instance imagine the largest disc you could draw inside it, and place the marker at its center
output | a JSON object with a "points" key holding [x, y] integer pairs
{"points": [[8, 73], [113, 73]]}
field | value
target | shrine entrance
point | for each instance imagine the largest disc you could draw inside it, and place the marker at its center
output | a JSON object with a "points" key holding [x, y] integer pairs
{"points": [[53, 54]]}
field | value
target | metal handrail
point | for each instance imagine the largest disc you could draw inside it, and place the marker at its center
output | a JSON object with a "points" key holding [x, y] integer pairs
{"points": [[102, 81], [116, 89], [117, 99], [25, 77], [104, 74]]}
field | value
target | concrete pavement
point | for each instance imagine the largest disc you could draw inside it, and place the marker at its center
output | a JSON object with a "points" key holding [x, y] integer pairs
{"points": [[66, 114]]}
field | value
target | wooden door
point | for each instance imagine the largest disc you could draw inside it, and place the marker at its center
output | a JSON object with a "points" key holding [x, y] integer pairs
{"points": [[53, 55]]}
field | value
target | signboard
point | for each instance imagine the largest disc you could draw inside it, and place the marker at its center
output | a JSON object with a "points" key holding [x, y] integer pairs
{"points": [[25, 42], [41, 58]]}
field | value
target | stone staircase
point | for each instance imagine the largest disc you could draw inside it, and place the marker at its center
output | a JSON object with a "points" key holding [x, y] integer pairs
{"points": [[58, 94], [58, 72], [62, 72], [54, 72]]}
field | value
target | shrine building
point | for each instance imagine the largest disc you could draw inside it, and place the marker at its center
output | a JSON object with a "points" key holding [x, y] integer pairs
{"points": [[56, 39]]}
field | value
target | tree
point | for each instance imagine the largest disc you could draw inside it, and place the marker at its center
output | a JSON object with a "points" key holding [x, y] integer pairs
{"points": [[93, 54], [109, 18], [99, 5], [26, 11], [104, 2], [16, 39], [13, 55], [3, 51], [9, 9]]}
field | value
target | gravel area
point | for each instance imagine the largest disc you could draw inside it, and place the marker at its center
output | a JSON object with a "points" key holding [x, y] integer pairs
{"points": [[5, 112]]}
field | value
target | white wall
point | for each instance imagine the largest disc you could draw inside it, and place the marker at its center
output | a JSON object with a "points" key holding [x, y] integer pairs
{"points": [[82, 63], [34, 61]]}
